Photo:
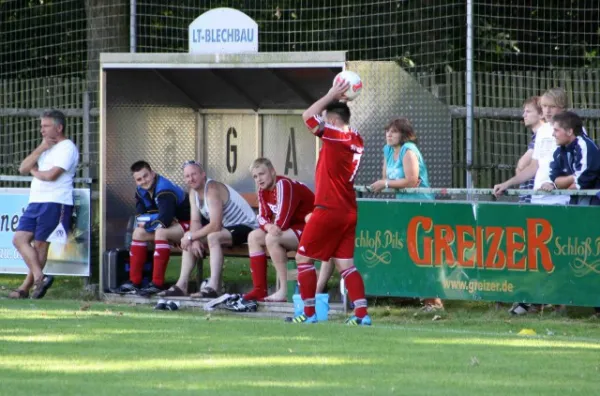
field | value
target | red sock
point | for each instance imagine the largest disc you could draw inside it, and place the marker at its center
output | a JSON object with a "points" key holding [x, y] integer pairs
{"points": [[258, 269], [137, 257], [162, 252], [356, 290], [307, 279]]}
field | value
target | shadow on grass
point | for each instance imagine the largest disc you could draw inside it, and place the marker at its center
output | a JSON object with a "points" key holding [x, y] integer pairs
{"points": [[108, 349]]}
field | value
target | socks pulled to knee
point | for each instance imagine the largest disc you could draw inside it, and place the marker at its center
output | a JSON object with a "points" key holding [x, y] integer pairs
{"points": [[138, 253], [307, 280], [162, 253], [258, 269], [356, 290]]}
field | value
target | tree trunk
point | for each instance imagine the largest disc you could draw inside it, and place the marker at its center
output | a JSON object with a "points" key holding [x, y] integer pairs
{"points": [[107, 31]]}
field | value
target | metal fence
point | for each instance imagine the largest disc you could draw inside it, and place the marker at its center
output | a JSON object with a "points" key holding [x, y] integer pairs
{"points": [[481, 58]]}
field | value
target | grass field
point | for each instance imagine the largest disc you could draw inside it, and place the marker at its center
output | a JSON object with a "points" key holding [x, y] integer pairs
{"points": [[69, 344], [57, 347]]}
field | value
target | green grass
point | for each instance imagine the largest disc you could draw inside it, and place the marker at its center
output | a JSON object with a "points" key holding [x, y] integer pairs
{"points": [[236, 272], [70, 348]]}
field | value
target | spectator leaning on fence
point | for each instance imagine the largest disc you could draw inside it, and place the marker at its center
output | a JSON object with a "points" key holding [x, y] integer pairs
{"points": [[533, 118], [220, 217], [163, 214], [576, 163], [553, 102], [403, 164], [48, 215], [404, 167]]}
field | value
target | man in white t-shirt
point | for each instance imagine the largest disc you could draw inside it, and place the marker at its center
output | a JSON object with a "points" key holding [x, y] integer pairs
{"points": [[48, 215], [553, 102]]}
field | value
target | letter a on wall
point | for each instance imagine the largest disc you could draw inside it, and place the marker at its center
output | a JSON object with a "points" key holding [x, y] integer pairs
{"points": [[290, 158]]}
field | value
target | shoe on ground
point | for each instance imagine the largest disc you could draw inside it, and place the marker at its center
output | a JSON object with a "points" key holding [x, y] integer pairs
{"points": [[519, 309], [150, 290], [161, 305], [302, 319], [127, 288], [356, 321], [238, 304], [212, 304], [172, 305], [429, 308], [41, 287]]}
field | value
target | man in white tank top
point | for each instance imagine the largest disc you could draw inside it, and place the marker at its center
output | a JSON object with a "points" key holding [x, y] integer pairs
{"points": [[219, 217]]}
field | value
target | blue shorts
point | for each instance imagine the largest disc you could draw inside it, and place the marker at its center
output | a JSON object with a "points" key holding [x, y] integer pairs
{"points": [[42, 218]]}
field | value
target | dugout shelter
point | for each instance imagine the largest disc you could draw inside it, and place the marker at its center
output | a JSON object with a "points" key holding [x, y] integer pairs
{"points": [[225, 110]]}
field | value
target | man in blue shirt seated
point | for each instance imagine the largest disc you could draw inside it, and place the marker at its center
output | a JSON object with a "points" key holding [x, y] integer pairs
{"points": [[163, 216]]}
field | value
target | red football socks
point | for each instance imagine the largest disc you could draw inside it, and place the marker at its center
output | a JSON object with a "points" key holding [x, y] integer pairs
{"points": [[307, 279], [356, 291], [137, 257], [258, 268], [162, 252]]}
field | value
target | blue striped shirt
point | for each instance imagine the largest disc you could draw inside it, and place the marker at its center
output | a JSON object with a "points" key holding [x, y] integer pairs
{"points": [[580, 159]]}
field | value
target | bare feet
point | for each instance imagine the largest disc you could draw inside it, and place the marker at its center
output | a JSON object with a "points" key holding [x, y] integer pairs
{"points": [[278, 296]]}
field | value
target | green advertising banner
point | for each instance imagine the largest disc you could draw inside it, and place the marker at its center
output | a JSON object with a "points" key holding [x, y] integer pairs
{"points": [[480, 251]]}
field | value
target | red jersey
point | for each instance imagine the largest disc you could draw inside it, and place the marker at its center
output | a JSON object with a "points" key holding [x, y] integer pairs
{"points": [[285, 205], [338, 163]]}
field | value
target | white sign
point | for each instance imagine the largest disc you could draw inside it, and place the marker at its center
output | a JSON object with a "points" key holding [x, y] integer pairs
{"points": [[223, 31]]}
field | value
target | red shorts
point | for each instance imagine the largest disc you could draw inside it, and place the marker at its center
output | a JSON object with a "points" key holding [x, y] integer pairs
{"points": [[329, 234], [185, 225]]}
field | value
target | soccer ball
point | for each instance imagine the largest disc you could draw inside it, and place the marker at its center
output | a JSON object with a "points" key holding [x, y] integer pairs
{"points": [[356, 84]]}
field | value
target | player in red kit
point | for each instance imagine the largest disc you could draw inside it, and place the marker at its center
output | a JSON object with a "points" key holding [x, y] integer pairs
{"points": [[331, 230], [283, 206]]}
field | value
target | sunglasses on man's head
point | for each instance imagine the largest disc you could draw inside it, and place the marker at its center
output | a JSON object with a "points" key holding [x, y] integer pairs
{"points": [[191, 162]]}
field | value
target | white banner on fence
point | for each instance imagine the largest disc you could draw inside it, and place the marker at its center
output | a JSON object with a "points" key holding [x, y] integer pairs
{"points": [[71, 259]]}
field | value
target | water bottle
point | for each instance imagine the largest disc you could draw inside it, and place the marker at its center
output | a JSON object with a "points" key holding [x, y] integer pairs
{"points": [[322, 306]]}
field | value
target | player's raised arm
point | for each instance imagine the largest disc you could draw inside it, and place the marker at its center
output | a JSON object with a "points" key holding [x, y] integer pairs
{"points": [[312, 115]]}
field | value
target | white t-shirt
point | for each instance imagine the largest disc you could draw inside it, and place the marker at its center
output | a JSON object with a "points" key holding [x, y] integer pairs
{"points": [[66, 156], [544, 148]]}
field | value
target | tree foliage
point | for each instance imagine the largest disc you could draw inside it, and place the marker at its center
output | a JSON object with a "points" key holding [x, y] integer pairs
{"points": [[51, 37]]}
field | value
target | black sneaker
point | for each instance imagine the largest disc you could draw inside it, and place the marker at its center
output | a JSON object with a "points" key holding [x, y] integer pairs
{"points": [[150, 290], [241, 305], [127, 288]]}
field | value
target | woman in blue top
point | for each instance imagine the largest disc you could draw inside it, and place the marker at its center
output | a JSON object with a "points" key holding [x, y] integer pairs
{"points": [[404, 167], [403, 164]]}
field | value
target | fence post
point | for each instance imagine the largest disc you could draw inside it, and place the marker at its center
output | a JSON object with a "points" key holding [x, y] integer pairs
{"points": [[469, 97], [132, 26], [86, 134]]}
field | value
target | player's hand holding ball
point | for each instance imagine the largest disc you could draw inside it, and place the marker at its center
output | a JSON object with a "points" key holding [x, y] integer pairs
{"points": [[350, 85]]}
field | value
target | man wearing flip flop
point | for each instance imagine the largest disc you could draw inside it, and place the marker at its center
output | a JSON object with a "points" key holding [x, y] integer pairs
{"points": [[52, 164], [220, 216]]}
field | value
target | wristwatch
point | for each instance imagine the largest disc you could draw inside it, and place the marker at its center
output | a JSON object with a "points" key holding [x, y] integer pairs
{"points": [[189, 236]]}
